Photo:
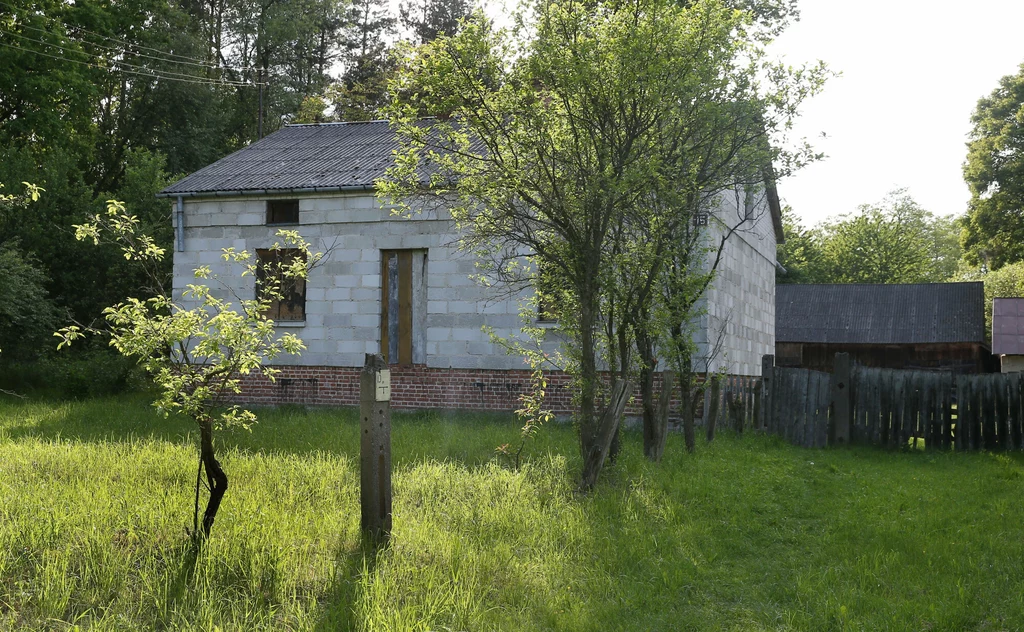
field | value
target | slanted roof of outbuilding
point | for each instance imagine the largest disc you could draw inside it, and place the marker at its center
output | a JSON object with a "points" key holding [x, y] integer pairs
{"points": [[880, 314], [1008, 326], [299, 158]]}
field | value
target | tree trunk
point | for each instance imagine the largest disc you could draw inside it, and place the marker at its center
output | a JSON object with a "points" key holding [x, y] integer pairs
{"points": [[593, 460], [687, 407], [660, 420], [215, 476]]}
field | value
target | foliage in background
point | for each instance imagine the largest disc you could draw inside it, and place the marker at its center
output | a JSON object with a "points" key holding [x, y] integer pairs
{"points": [[892, 241], [26, 311], [199, 350], [1006, 282], [994, 171]]}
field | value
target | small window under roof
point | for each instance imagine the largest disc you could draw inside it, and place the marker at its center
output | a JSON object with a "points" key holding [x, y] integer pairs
{"points": [[282, 211]]}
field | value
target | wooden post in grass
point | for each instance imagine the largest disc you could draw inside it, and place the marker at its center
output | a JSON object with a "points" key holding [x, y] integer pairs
{"points": [[767, 384], [839, 433], [375, 448]]}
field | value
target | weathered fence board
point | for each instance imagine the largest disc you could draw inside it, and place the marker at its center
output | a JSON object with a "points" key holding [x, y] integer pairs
{"points": [[885, 407]]}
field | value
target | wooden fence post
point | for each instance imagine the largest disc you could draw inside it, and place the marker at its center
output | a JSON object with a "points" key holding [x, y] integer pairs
{"points": [[375, 448], [839, 433], [767, 383], [716, 396]]}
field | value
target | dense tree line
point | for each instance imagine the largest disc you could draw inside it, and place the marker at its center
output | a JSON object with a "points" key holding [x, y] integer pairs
{"points": [[893, 241], [103, 100]]}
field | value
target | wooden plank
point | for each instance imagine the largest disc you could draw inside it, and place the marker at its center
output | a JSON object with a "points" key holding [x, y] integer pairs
{"points": [[404, 307], [1017, 411], [419, 307], [806, 408], [773, 414], [859, 405], [825, 408], [900, 395], [984, 411], [913, 412], [1001, 405], [839, 433], [947, 386], [874, 407], [712, 418], [767, 367], [959, 424], [757, 411], [929, 409], [974, 413]]}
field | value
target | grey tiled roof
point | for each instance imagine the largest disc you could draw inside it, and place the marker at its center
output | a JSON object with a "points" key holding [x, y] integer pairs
{"points": [[331, 156], [1008, 326], [880, 314]]}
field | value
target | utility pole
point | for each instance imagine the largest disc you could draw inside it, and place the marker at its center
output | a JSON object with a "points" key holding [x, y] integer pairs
{"points": [[261, 103]]}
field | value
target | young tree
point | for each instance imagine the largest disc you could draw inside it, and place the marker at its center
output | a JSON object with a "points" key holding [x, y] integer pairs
{"points": [[560, 144], [994, 229], [198, 355]]}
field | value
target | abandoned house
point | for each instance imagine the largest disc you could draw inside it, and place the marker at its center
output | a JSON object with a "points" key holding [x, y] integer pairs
{"points": [[930, 326], [400, 286]]}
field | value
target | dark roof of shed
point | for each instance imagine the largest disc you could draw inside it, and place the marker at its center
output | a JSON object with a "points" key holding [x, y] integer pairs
{"points": [[1008, 326], [880, 314], [321, 157]]}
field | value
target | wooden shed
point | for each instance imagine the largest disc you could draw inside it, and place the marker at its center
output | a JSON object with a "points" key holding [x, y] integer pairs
{"points": [[1008, 333], [930, 326]]}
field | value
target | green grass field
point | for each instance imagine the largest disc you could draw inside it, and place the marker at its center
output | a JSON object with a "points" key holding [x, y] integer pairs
{"points": [[747, 534]]}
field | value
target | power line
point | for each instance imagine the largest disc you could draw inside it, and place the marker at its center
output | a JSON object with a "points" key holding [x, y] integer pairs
{"points": [[164, 73], [136, 54], [187, 60], [150, 75]]}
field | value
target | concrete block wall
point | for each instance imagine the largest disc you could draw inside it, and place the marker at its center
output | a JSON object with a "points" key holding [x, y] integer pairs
{"points": [[343, 291], [343, 295], [740, 304]]}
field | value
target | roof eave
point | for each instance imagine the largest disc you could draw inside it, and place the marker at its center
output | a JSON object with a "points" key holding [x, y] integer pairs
{"points": [[256, 192]]}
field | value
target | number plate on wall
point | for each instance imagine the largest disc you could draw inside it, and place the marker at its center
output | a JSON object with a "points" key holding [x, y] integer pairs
{"points": [[383, 392]]}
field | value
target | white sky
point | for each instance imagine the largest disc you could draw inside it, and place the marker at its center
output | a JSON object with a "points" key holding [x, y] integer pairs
{"points": [[900, 113]]}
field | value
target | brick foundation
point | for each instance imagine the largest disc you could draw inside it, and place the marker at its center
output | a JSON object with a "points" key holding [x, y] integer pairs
{"points": [[413, 387]]}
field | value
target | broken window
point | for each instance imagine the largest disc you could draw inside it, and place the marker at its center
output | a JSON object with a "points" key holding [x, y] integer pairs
{"points": [[403, 311], [270, 269]]}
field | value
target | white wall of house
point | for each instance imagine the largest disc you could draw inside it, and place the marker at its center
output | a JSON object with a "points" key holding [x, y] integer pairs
{"points": [[343, 295], [1011, 363], [738, 326]]}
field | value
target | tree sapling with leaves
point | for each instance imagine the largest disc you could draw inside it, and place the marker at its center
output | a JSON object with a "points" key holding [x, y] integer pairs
{"points": [[198, 351]]}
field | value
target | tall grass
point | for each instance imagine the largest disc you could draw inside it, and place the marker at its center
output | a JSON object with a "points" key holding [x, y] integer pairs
{"points": [[746, 534]]}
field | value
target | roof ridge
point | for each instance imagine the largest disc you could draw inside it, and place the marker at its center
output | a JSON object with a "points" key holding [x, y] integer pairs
{"points": [[334, 123]]}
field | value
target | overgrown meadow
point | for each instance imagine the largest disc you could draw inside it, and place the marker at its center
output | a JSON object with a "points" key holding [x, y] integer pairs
{"points": [[746, 534]]}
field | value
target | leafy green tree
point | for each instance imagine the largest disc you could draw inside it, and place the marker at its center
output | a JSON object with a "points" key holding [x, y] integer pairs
{"points": [[800, 255], [26, 311], [427, 19], [560, 144], [1006, 282], [196, 355], [994, 171], [894, 241], [362, 90]]}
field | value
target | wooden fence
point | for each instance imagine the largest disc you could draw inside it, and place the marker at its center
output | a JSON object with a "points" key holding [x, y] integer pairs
{"points": [[893, 408], [732, 402]]}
